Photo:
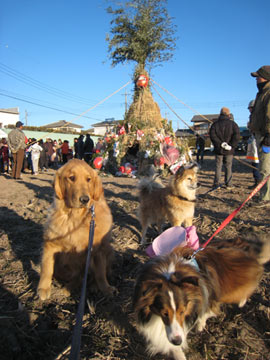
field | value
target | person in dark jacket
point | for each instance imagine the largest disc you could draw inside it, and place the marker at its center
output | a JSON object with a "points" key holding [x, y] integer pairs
{"points": [[43, 160], [80, 145], [260, 126], [224, 134], [200, 144], [17, 145], [49, 150], [88, 148]]}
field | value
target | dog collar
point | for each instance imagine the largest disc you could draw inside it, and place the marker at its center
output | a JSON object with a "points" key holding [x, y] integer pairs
{"points": [[184, 198], [192, 261]]}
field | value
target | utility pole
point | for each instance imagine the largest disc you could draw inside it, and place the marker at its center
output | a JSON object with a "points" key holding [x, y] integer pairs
{"points": [[126, 94], [26, 117]]}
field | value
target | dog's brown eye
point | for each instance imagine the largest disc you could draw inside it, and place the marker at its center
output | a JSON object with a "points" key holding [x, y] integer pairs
{"points": [[88, 180], [72, 178]]}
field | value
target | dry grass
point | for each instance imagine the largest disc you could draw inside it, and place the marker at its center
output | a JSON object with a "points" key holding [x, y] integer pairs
{"points": [[30, 329]]}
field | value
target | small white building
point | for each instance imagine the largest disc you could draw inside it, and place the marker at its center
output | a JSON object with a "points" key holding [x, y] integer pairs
{"points": [[64, 126], [109, 125], [9, 117]]}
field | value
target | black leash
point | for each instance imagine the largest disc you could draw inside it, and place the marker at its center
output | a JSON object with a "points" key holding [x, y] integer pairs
{"points": [[77, 332], [213, 189]]}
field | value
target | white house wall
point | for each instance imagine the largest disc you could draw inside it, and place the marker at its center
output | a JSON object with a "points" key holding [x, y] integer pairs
{"points": [[8, 119], [101, 130]]}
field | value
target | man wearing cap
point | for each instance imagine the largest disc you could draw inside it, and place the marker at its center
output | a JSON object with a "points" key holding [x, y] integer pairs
{"points": [[260, 126], [16, 143]]}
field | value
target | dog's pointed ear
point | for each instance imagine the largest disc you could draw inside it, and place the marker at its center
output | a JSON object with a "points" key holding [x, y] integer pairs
{"points": [[97, 187], [144, 297], [57, 186], [194, 167], [180, 171], [151, 286]]}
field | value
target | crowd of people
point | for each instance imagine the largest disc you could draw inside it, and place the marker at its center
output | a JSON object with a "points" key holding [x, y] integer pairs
{"points": [[20, 153]]}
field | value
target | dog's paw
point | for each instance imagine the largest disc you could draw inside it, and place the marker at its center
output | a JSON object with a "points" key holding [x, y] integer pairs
{"points": [[201, 326], [65, 292], [44, 294], [242, 303]]}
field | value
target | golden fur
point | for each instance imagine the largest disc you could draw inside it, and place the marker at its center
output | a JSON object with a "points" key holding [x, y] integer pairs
{"points": [[77, 187], [175, 202], [173, 295]]}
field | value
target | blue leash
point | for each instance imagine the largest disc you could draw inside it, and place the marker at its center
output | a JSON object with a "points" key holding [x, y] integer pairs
{"points": [[77, 332]]}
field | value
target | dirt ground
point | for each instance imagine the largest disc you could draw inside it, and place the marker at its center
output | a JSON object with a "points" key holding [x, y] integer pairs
{"points": [[31, 329]]}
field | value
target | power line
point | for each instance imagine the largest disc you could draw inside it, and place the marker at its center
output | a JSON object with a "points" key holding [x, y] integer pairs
{"points": [[47, 107], [7, 70], [25, 97]]}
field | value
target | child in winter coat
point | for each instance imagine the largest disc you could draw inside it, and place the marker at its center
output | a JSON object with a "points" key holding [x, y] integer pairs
{"points": [[35, 150], [4, 156]]}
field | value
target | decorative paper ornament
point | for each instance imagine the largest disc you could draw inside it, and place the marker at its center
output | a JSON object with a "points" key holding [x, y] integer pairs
{"points": [[128, 168], [140, 134], [142, 81], [122, 169], [159, 137], [122, 130], [168, 140], [98, 162], [161, 161]]}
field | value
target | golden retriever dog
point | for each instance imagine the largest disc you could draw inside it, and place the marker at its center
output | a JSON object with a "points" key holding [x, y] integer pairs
{"points": [[175, 202], [77, 187]]}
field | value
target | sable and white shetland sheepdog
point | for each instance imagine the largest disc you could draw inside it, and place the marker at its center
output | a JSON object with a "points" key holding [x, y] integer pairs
{"points": [[174, 294]]}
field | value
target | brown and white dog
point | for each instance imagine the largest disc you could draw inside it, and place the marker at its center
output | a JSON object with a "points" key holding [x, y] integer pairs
{"points": [[77, 187], [175, 202], [173, 294]]}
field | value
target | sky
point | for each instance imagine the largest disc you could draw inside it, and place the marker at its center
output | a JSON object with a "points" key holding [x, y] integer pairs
{"points": [[54, 62]]}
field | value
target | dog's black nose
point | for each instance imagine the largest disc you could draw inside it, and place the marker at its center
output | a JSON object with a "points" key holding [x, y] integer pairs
{"points": [[84, 199], [177, 340]]}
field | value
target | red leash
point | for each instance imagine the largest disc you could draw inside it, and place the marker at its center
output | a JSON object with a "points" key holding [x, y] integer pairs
{"points": [[232, 215]]}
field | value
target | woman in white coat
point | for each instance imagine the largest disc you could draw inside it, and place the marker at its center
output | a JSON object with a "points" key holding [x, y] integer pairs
{"points": [[35, 155]]}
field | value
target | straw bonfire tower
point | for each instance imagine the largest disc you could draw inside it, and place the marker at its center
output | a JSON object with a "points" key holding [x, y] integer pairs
{"points": [[143, 139], [144, 110]]}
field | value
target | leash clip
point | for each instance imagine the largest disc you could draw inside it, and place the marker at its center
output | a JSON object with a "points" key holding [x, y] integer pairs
{"points": [[92, 209], [192, 259], [195, 253]]}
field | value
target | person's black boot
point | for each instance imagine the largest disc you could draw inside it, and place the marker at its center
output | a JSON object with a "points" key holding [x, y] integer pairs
{"points": [[254, 185]]}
